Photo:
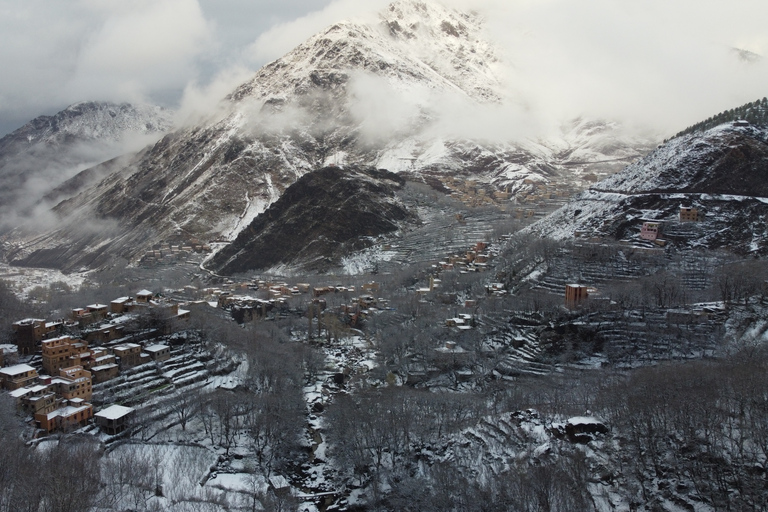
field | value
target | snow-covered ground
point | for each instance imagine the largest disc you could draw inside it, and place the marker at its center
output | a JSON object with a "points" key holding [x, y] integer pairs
{"points": [[23, 280]]}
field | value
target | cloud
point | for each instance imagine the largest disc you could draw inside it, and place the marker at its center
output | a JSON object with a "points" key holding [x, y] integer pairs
{"points": [[56, 53], [656, 63], [141, 46], [660, 63], [283, 37], [200, 101]]}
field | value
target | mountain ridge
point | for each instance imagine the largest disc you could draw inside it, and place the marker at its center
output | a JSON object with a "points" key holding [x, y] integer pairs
{"points": [[721, 172], [210, 180]]}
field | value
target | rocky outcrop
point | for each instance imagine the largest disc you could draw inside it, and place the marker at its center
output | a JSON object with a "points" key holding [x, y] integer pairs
{"points": [[319, 219]]}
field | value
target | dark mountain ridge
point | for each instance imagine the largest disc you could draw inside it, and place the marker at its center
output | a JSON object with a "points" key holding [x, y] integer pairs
{"points": [[325, 215]]}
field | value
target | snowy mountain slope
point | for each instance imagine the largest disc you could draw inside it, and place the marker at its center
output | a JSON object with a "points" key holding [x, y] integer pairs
{"points": [[722, 172], [355, 94], [51, 149]]}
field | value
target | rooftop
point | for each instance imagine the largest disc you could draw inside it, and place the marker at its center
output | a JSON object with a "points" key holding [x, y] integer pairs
{"points": [[114, 412], [65, 411], [16, 370]]}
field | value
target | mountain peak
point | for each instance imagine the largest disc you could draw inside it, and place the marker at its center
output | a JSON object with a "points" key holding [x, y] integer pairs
{"points": [[413, 43]]}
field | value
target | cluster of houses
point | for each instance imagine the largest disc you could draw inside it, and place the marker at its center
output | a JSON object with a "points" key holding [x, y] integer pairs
{"points": [[471, 193], [169, 253], [473, 260], [540, 192], [55, 393], [651, 230], [277, 296]]}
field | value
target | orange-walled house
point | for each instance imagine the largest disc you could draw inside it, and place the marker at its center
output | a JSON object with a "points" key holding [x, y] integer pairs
{"points": [[129, 354], [689, 214], [75, 413], [63, 352], [104, 333], [31, 331], [121, 305], [35, 400], [73, 383], [104, 372], [575, 294], [18, 376]]}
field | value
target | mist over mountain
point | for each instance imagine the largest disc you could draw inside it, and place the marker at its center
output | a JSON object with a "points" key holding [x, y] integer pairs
{"points": [[50, 150], [418, 90]]}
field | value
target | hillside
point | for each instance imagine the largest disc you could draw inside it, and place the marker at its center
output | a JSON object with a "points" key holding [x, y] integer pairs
{"points": [[319, 219], [722, 172]]}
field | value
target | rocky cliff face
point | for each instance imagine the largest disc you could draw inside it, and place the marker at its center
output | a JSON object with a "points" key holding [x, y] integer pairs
{"points": [[319, 219], [355, 94]]}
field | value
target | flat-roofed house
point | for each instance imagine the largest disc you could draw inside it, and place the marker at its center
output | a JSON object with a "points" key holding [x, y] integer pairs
{"points": [[129, 354], [29, 332], [575, 294], [114, 419], [120, 305], [18, 376], [650, 230], [73, 383], [104, 372], [76, 412], [158, 352], [144, 296], [62, 352], [689, 214]]}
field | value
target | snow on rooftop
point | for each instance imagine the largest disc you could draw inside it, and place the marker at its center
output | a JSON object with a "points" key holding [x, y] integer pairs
{"points": [[156, 348], [65, 411], [16, 370], [584, 420], [103, 367], [28, 321], [18, 393], [114, 412], [144, 292]]}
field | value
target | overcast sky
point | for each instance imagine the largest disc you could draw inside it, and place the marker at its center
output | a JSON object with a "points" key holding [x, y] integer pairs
{"points": [[640, 59]]}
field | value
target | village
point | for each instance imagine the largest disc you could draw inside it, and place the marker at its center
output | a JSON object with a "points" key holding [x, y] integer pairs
{"points": [[122, 370], [53, 366], [51, 369]]}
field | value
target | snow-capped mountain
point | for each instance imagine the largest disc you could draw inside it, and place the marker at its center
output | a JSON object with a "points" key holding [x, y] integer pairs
{"points": [[721, 172], [51, 149], [386, 94]]}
